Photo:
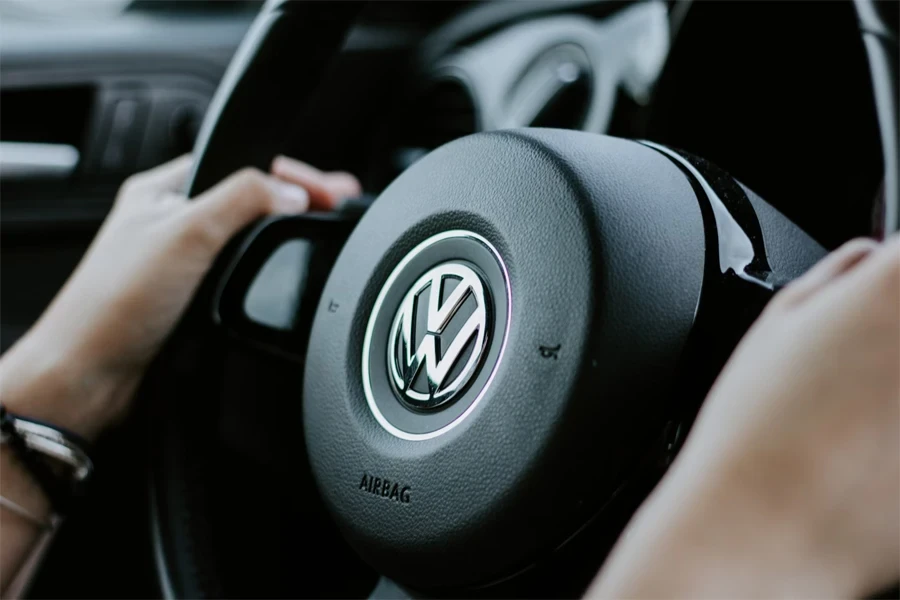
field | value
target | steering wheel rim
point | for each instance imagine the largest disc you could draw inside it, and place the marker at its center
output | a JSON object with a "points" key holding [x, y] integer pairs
{"points": [[283, 24]]}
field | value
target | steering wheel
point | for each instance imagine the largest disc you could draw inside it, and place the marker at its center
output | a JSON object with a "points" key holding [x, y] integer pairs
{"points": [[496, 360]]}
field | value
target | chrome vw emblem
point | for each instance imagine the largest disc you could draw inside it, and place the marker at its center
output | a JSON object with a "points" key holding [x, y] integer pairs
{"points": [[432, 356]]}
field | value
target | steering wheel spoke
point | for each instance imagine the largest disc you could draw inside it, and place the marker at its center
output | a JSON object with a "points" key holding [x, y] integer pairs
{"points": [[270, 289]]}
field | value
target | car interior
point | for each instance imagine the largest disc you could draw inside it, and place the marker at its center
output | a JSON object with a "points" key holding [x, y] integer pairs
{"points": [[619, 188]]}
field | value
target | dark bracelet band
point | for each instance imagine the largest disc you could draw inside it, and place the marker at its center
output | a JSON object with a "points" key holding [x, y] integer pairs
{"points": [[56, 458]]}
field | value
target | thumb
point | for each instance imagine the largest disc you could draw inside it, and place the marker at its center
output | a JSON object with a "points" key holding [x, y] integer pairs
{"points": [[827, 270]]}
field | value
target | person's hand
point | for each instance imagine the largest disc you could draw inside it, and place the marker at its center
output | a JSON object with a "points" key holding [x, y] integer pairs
{"points": [[325, 189], [79, 365], [789, 483]]}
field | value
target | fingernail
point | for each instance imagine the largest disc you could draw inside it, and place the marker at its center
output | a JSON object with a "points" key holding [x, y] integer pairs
{"points": [[293, 197]]}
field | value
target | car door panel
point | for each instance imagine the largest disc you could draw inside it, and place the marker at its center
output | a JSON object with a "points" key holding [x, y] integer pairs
{"points": [[120, 95]]}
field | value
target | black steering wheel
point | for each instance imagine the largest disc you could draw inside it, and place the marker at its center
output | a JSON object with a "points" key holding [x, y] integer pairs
{"points": [[491, 366]]}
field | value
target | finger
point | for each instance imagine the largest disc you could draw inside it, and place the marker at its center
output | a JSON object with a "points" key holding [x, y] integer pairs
{"points": [[172, 200], [326, 190], [890, 249], [344, 185], [167, 177], [881, 269], [242, 198], [828, 270]]}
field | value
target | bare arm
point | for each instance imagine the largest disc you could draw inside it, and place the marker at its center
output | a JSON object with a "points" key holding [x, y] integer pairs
{"points": [[789, 483]]}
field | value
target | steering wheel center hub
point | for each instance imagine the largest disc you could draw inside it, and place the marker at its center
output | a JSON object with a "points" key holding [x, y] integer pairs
{"points": [[499, 354]]}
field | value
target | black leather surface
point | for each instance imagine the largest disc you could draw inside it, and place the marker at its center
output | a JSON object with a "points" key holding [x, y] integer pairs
{"points": [[262, 92]]}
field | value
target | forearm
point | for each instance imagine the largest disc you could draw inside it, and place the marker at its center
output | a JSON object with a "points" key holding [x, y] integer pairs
{"points": [[44, 377], [787, 485], [718, 535]]}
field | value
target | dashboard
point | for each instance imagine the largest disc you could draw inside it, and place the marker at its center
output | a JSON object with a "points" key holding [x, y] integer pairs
{"points": [[794, 121], [564, 71]]}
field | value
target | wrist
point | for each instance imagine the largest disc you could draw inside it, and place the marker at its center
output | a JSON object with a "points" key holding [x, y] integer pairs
{"points": [[42, 379]]}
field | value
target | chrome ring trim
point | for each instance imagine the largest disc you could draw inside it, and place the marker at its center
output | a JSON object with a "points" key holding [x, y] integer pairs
{"points": [[376, 309]]}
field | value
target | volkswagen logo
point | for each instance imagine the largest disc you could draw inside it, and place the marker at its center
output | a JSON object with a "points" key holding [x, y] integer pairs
{"points": [[432, 356], [436, 335]]}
